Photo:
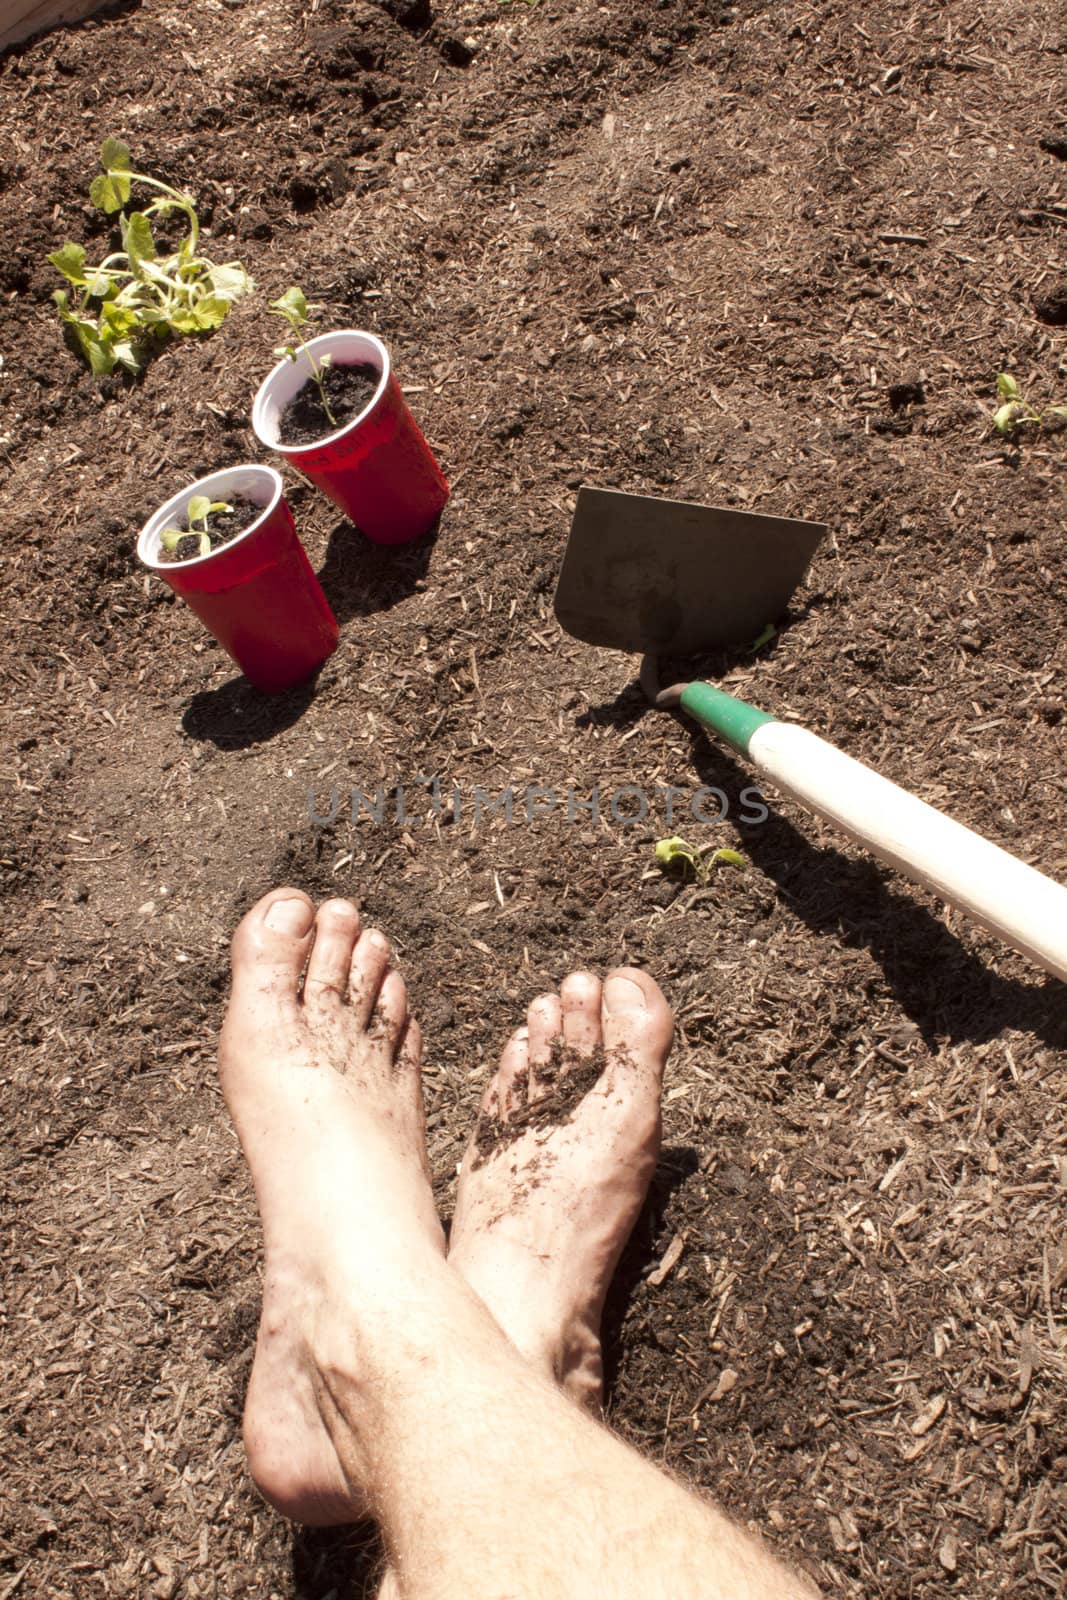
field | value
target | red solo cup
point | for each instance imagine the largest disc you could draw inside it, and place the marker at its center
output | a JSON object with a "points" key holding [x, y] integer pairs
{"points": [[378, 469], [257, 594]]}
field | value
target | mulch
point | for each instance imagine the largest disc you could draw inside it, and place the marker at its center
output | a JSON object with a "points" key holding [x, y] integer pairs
{"points": [[769, 256]]}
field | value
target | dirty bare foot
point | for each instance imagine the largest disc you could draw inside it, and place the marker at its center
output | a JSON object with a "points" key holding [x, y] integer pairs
{"points": [[320, 1065], [559, 1166], [321, 1072]]}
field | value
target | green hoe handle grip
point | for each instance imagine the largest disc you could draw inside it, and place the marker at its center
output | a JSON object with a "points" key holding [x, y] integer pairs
{"points": [[721, 713]]}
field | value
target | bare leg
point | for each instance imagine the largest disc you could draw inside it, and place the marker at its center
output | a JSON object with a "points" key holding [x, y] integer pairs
{"points": [[484, 1476]]}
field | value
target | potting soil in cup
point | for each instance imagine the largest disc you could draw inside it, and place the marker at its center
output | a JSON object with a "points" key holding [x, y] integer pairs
{"points": [[349, 390]]}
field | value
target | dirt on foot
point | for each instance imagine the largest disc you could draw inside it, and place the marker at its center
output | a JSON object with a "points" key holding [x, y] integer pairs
{"points": [[561, 1084]]}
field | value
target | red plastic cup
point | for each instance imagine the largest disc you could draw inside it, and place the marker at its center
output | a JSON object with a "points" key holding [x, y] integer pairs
{"points": [[257, 594], [378, 469]]}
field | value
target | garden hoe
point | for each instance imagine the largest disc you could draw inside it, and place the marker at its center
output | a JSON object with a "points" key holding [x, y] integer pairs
{"points": [[667, 578]]}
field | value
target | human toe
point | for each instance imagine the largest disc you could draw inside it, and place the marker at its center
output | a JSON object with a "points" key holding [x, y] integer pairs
{"points": [[635, 1016], [370, 960], [271, 944], [390, 1016], [509, 1087], [544, 1023], [580, 1000], [337, 927]]}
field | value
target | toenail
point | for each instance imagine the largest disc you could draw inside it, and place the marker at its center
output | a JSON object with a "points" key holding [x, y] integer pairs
{"points": [[622, 994], [579, 988], [289, 916]]}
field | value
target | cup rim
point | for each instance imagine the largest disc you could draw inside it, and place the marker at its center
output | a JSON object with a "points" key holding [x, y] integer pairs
{"points": [[286, 366], [177, 506]]}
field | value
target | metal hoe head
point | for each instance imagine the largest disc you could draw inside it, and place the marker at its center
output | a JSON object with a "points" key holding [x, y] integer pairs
{"points": [[670, 578]]}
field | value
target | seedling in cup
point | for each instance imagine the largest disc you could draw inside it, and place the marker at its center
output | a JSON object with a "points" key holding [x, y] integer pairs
{"points": [[136, 296], [363, 449], [198, 517], [253, 585], [293, 306]]}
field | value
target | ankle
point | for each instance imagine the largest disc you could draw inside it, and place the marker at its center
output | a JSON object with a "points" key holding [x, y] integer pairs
{"points": [[564, 1349]]}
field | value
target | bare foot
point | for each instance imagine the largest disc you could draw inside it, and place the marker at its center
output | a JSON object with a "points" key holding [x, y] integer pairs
{"points": [[323, 1082], [322, 1078], [559, 1166]]}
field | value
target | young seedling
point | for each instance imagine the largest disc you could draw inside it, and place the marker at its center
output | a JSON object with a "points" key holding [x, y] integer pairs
{"points": [[293, 306], [136, 296], [1015, 411], [198, 516], [676, 852]]}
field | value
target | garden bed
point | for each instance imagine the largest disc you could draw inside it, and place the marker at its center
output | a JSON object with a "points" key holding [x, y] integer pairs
{"points": [[771, 256]]}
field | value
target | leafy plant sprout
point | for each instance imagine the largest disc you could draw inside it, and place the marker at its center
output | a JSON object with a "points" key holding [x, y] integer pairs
{"points": [[1015, 411], [136, 296], [676, 852], [200, 510], [293, 306]]}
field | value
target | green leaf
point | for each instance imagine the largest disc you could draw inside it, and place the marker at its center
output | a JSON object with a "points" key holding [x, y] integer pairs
{"points": [[128, 355], [1007, 388], [70, 261], [115, 156], [137, 240], [94, 348], [1005, 417], [292, 305], [674, 851], [102, 355], [210, 310], [99, 284], [183, 321], [110, 191], [1056, 411], [218, 505], [206, 314], [153, 319], [198, 509], [768, 633], [169, 539], [733, 858], [118, 320], [230, 281]]}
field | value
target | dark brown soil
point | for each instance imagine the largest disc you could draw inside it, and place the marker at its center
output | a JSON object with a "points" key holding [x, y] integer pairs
{"points": [[348, 391], [687, 249], [223, 526]]}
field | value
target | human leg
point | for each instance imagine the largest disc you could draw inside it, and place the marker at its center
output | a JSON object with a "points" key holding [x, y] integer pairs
{"points": [[485, 1477]]}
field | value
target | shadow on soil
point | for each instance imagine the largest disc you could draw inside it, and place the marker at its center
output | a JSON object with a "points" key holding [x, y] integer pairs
{"points": [[945, 990], [237, 716], [676, 1165], [360, 578], [337, 1563]]}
